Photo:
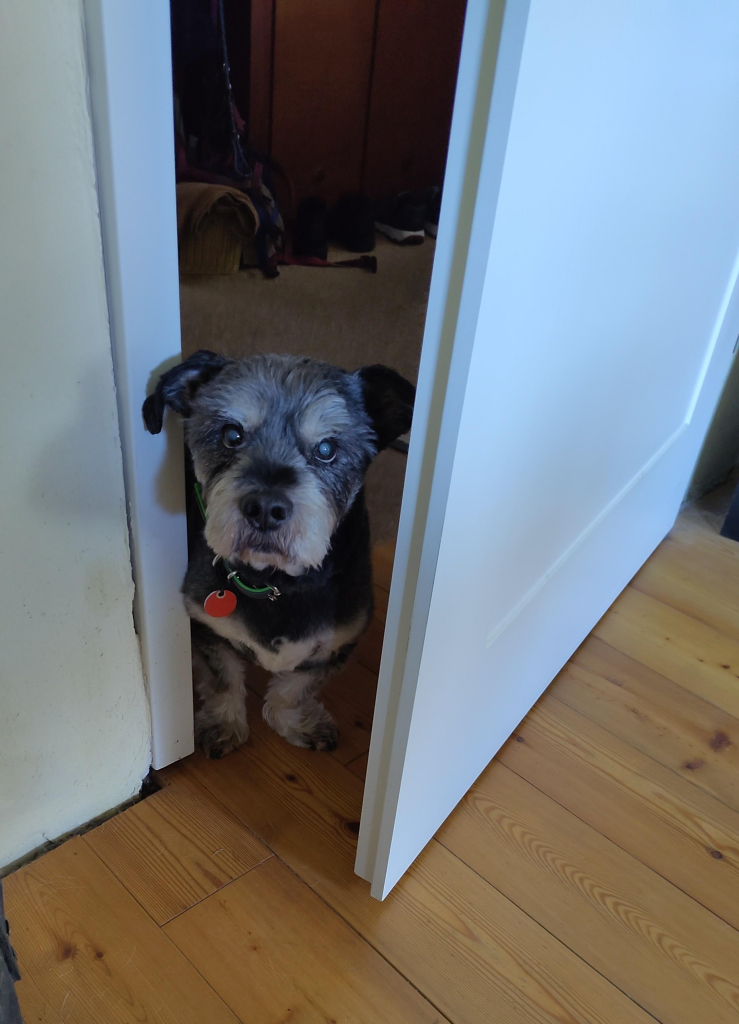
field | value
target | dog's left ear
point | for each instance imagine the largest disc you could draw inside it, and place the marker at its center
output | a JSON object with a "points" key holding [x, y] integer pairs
{"points": [[176, 388], [388, 398]]}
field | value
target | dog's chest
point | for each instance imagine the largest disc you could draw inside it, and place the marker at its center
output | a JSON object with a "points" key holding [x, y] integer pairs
{"points": [[281, 655]]}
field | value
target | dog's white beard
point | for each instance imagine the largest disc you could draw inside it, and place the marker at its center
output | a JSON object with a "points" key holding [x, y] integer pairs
{"points": [[301, 544]]}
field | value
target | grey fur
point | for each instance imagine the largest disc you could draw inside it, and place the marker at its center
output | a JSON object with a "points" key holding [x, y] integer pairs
{"points": [[280, 513], [281, 401]]}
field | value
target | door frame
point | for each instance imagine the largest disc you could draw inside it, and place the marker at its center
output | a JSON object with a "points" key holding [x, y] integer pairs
{"points": [[130, 76], [129, 64], [129, 58]]}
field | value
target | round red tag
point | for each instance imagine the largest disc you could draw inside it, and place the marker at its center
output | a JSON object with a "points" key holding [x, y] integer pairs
{"points": [[220, 603]]}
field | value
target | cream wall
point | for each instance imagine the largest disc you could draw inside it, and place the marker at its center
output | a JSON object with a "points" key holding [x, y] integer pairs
{"points": [[74, 728]]}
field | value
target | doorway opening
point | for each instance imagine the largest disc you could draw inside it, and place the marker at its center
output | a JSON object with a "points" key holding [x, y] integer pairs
{"points": [[430, 603], [311, 142]]}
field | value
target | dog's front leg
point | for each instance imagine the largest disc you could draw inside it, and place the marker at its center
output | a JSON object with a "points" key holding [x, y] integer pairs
{"points": [[292, 710], [220, 724]]}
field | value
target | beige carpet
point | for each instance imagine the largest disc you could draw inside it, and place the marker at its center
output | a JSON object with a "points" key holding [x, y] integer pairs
{"points": [[347, 317]]}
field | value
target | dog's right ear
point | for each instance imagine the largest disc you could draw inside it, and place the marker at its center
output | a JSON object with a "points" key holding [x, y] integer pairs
{"points": [[176, 388]]}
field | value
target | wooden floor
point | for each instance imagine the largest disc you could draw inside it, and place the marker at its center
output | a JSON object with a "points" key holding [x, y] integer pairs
{"points": [[591, 875]]}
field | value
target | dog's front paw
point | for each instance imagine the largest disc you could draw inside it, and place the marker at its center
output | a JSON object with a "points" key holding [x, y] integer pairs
{"points": [[309, 726], [220, 738], [324, 736]]}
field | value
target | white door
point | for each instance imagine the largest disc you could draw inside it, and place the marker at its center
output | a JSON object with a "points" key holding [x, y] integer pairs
{"points": [[582, 317]]}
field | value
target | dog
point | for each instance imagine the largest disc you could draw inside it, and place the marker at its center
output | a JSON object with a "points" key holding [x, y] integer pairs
{"points": [[279, 570]]}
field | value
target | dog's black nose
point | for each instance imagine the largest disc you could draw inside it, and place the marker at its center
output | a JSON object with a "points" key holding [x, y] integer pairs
{"points": [[266, 510]]}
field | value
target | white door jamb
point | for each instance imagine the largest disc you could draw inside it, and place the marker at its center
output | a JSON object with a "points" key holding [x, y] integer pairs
{"points": [[130, 72]]}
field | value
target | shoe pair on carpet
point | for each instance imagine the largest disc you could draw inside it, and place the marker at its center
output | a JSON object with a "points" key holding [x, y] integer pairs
{"points": [[406, 218], [352, 222]]}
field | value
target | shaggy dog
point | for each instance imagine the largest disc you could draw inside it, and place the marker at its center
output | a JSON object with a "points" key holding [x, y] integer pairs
{"points": [[279, 572]]}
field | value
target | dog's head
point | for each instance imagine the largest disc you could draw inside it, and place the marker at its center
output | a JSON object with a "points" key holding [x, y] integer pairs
{"points": [[280, 446]]}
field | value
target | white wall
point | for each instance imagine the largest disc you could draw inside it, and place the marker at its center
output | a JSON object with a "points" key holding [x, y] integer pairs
{"points": [[74, 728]]}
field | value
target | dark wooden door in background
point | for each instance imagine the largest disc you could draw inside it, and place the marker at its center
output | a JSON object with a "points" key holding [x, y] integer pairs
{"points": [[321, 80], [348, 94], [410, 103]]}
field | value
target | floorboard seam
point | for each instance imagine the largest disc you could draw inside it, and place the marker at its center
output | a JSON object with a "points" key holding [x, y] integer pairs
{"points": [[548, 932], [622, 739], [167, 939], [618, 846]]}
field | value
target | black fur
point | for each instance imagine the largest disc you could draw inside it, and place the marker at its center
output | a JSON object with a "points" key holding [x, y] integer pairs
{"points": [[336, 593], [318, 557], [177, 387], [388, 398]]}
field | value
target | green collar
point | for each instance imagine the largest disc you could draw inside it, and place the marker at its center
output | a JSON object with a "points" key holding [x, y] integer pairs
{"points": [[259, 593]]}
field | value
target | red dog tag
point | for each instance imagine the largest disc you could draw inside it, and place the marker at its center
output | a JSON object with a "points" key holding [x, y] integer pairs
{"points": [[220, 603]]}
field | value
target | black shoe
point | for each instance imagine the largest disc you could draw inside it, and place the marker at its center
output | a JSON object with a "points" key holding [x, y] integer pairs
{"points": [[310, 237], [402, 218], [433, 205], [351, 223]]}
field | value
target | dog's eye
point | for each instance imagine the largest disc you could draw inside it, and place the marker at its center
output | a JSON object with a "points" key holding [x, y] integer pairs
{"points": [[326, 450], [232, 435]]}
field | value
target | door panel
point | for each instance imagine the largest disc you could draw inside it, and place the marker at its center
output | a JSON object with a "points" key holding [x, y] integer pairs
{"points": [[413, 78], [603, 331], [322, 59]]}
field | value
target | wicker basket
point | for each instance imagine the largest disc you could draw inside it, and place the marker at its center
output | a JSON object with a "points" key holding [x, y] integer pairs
{"points": [[214, 222], [215, 248]]}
